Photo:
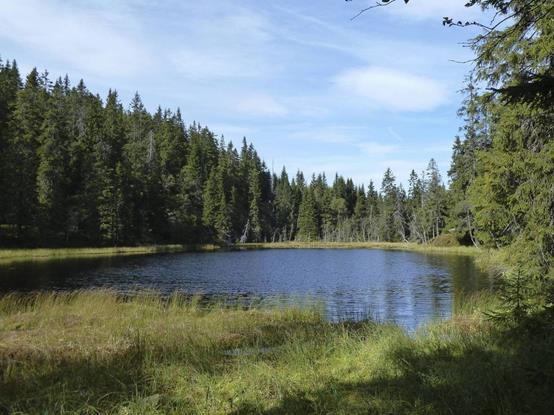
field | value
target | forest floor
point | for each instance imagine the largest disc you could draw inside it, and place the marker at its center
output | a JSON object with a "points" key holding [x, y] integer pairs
{"points": [[95, 352]]}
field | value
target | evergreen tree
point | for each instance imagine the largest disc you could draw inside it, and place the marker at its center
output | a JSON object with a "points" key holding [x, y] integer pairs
{"points": [[388, 206], [216, 209], [26, 127], [10, 83], [255, 201], [53, 165], [284, 206], [307, 218], [109, 172]]}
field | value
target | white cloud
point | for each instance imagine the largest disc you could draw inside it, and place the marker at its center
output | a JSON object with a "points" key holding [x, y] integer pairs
{"points": [[231, 131], [260, 105], [88, 39], [390, 89], [237, 46], [198, 64], [376, 149], [329, 135]]}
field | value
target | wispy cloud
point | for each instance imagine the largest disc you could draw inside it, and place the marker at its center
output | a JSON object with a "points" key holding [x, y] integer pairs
{"points": [[233, 46], [260, 105], [216, 64], [376, 149], [333, 135], [309, 87], [390, 89], [84, 38]]}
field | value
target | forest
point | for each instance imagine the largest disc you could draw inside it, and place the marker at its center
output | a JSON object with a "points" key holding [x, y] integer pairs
{"points": [[80, 170], [88, 172]]}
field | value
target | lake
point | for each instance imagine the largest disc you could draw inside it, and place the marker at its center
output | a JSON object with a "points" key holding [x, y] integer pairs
{"points": [[408, 288]]}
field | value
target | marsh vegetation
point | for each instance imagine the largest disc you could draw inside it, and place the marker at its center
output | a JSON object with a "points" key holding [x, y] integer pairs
{"points": [[97, 352]]}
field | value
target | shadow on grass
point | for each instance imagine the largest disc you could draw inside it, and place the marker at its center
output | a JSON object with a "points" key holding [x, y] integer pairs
{"points": [[34, 381], [444, 381], [97, 383], [505, 374], [43, 385]]}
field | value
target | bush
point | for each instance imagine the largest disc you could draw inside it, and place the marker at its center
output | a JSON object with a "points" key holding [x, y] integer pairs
{"points": [[445, 239]]}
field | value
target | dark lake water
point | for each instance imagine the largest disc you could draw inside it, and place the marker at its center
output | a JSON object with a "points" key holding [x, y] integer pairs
{"points": [[405, 287]]}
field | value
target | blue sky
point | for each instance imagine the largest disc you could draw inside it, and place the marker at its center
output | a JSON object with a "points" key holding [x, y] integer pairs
{"points": [[311, 88]]}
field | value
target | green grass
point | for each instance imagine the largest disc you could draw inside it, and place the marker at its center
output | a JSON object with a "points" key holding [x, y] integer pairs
{"points": [[94, 352], [37, 254], [8, 256], [399, 246]]}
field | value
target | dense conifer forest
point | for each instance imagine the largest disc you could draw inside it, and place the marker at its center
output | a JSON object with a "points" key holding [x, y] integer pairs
{"points": [[82, 170], [77, 169]]}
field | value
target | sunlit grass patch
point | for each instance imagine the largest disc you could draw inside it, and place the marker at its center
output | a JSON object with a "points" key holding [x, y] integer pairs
{"points": [[39, 254], [401, 246], [100, 352]]}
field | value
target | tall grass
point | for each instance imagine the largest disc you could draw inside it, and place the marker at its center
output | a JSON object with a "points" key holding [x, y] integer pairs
{"points": [[96, 352], [36, 254], [41, 254], [400, 246]]}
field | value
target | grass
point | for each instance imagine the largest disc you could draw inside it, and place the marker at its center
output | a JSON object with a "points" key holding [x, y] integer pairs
{"points": [[37, 254], [8, 256], [399, 246], [48, 253], [94, 352]]}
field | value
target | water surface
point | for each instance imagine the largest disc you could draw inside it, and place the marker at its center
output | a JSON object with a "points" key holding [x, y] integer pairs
{"points": [[408, 288]]}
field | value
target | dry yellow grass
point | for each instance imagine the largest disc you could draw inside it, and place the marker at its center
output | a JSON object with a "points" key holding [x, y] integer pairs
{"points": [[457, 250], [38, 254]]}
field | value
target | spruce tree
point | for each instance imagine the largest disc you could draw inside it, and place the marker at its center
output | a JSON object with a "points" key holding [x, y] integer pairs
{"points": [[307, 218], [109, 172], [26, 127], [254, 205], [53, 166], [10, 83], [389, 206]]}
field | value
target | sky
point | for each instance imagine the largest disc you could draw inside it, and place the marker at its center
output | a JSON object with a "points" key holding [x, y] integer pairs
{"points": [[310, 87]]}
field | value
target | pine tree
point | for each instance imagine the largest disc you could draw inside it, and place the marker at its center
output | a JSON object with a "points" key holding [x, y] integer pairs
{"points": [[388, 206], [113, 220], [216, 209], [284, 206], [201, 159], [25, 126], [307, 218], [53, 165], [10, 83], [255, 201]]}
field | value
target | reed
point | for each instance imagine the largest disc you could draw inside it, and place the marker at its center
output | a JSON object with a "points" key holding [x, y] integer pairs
{"points": [[98, 352], [398, 246], [40, 254]]}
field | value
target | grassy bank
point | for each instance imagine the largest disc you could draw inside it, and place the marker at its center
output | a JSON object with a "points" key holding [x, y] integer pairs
{"points": [[399, 246], [36, 254], [41, 254], [92, 352]]}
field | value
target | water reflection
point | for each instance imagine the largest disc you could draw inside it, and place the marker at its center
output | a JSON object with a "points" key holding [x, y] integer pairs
{"points": [[405, 287]]}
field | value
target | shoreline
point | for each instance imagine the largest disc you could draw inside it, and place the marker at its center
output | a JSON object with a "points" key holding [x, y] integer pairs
{"points": [[146, 355], [391, 246], [38, 254], [44, 254]]}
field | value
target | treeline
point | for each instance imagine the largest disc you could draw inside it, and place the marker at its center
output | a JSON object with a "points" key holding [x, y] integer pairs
{"points": [[79, 170]]}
